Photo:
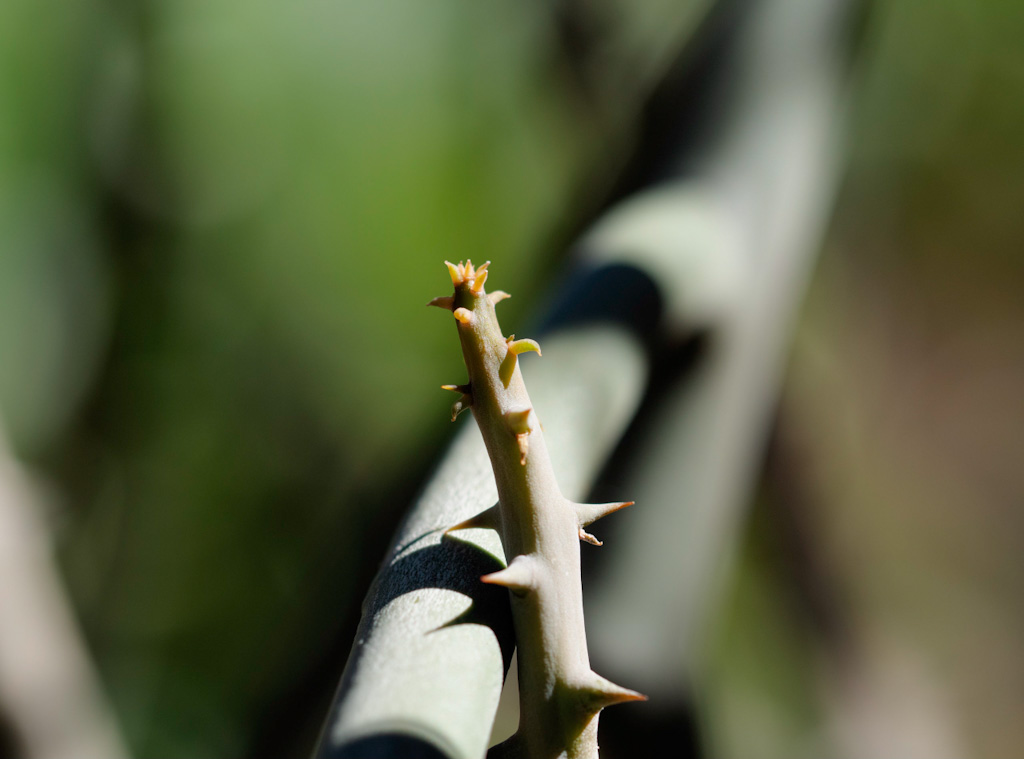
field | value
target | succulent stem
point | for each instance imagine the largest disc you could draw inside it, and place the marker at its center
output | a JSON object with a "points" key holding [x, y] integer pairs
{"points": [[540, 530]]}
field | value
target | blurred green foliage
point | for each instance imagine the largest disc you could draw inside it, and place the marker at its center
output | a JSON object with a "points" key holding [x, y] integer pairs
{"points": [[220, 220], [220, 223]]}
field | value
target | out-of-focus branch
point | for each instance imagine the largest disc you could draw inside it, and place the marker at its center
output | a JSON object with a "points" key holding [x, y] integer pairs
{"points": [[49, 691], [732, 239]]}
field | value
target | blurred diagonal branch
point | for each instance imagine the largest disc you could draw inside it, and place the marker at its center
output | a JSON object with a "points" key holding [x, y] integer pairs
{"points": [[49, 691], [733, 239]]}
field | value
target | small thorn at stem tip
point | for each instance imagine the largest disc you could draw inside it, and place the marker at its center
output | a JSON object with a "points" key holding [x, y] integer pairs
{"points": [[480, 278], [464, 315], [443, 301], [457, 273], [497, 296]]}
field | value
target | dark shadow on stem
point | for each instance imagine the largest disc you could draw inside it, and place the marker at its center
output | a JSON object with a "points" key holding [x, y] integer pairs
{"points": [[452, 564]]}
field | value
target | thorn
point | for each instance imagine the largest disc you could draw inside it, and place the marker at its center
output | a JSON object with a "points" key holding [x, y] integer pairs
{"points": [[464, 315], [521, 425], [457, 273], [461, 405], [478, 280], [488, 519], [517, 576], [588, 513], [522, 346], [519, 421], [464, 389], [599, 693], [515, 347], [443, 301], [497, 296], [586, 537]]}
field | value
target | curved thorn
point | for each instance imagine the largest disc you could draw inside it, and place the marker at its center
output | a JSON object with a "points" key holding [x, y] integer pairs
{"points": [[497, 296], [443, 301], [588, 513], [464, 315], [586, 537], [522, 346]]}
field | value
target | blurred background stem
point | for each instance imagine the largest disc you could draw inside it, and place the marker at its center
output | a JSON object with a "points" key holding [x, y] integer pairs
{"points": [[50, 697]]}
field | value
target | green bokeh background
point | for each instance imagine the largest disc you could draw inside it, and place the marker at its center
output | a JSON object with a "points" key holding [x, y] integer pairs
{"points": [[220, 220]]}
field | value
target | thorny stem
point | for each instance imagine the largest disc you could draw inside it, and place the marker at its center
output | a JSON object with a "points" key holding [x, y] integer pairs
{"points": [[540, 531]]}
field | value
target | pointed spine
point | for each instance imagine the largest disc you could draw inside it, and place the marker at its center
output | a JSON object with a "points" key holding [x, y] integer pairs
{"points": [[456, 272], [443, 301], [480, 278], [588, 513], [519, 576], [464, 402], [488, 519], [599, 692]]}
